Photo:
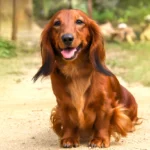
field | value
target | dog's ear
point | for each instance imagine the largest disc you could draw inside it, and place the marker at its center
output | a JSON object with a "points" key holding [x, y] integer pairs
{"points": [[47, 54], [97, 51]]}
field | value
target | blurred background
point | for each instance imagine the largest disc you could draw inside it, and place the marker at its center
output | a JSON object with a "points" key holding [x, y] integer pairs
{"points": [[125, 25], [25, 106]]}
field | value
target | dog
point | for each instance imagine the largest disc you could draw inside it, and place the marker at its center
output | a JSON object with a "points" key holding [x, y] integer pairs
{"points": [[90, 100], [124, 33]]}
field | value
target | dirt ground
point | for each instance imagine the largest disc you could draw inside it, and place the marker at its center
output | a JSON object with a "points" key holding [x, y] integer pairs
{"points": [[25, 109]]}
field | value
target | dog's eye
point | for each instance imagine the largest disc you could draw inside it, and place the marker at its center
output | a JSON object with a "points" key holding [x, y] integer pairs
{"points": [[78, 21], [57, 23]]}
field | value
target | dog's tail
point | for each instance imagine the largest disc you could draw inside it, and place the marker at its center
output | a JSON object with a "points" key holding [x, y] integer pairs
{"points": [[56, 122], [121, 124]]}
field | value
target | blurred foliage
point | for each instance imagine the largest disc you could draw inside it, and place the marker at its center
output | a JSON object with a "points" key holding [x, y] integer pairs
{"points": [[107, 15], [129, 11], [7, 49], [47, 7]]}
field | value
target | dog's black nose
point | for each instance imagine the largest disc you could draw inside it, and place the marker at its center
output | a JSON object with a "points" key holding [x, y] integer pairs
{"points": [[67, 39]]}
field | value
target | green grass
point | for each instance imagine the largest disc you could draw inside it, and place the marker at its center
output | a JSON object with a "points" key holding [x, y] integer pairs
{"points": [[7, 48], [24, 60], [132, 62]]}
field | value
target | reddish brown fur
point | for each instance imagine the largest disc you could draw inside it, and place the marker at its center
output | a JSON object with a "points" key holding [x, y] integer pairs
{"points": [[89, 97]]}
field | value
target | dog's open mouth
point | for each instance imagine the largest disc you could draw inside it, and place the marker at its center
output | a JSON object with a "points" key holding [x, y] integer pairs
{"points": [[70, 52]]}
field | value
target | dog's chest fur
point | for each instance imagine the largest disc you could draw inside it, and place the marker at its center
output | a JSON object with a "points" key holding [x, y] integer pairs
{"points": [[80, 82]]}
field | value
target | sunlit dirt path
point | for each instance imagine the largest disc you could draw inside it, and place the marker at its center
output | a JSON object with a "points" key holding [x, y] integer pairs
{"points": [[25, 109]]}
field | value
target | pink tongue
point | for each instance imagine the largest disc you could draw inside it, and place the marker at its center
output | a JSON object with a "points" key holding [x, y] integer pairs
{"points": [[68, 53]]}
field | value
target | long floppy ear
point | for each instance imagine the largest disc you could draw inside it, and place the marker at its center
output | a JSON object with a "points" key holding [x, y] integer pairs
{"points": [[47, 54], [97, 51]]}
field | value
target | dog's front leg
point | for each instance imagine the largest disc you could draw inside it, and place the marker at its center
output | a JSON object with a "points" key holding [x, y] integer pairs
{"points": [[70, 136], [101, 136]]}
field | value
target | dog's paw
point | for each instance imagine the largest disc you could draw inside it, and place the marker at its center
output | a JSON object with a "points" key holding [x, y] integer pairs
{"points": [[69, 142], [99, 142]]}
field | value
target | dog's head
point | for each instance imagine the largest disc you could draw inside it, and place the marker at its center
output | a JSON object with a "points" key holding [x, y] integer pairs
{"points": [[69, 35]]}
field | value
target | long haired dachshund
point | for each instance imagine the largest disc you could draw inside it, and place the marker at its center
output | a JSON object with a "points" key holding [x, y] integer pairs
{"points": [[90, 99]]}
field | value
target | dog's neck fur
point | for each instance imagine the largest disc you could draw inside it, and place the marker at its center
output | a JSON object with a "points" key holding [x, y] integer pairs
{"points": [[75, 69], [80, 74]]}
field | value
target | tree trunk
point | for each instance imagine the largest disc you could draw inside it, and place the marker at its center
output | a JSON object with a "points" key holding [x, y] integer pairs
{"points": [[89, 5], [14, 20], [70, 4]]}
